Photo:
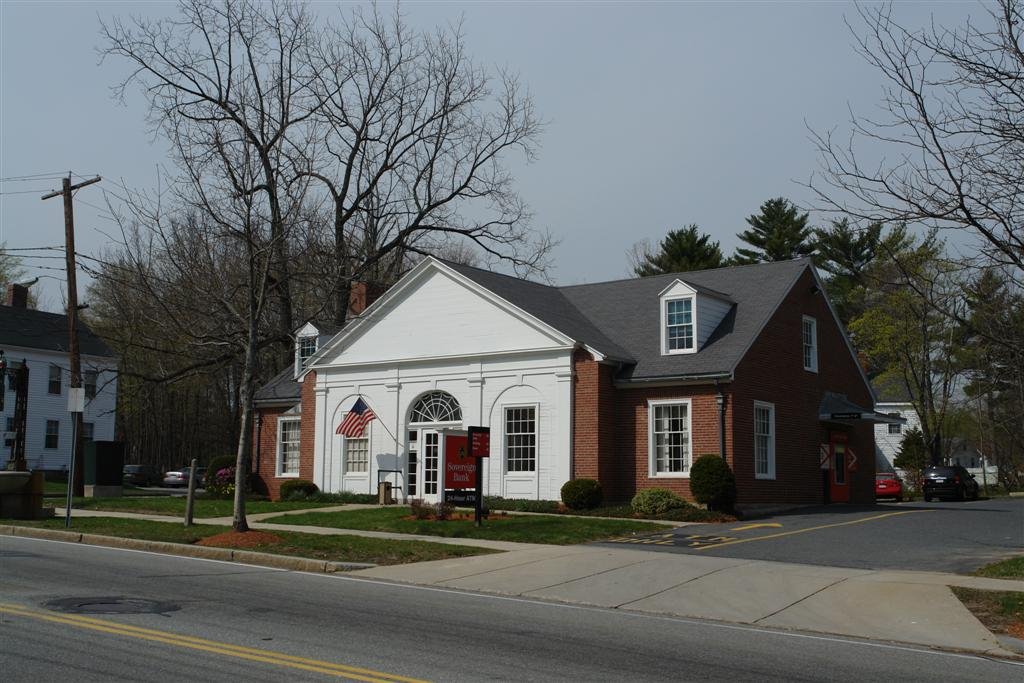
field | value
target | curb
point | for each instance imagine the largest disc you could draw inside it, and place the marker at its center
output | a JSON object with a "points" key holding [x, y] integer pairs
{"points": [[289, 562]]}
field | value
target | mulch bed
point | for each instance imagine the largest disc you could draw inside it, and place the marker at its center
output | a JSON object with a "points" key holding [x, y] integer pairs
{"points": [[240, 539]]}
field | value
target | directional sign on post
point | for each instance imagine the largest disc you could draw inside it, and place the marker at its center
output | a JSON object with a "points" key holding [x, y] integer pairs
{"points": [[480, 442]]}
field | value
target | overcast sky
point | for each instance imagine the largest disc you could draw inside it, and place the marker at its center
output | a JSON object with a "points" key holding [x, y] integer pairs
{"points": [[660, 114]]}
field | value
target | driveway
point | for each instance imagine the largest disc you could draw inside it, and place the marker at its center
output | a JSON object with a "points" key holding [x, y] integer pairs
{"points": [[940, 536]]}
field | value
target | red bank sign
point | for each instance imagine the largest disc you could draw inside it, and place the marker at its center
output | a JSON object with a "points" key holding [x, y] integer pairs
{"points": [[459, 466]]}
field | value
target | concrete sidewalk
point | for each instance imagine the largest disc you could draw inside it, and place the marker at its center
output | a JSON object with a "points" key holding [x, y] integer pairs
{"points": [[901, 606], [908, 607]]}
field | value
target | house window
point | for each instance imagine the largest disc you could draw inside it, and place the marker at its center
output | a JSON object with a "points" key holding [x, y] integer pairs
{"points": [[895, 428], [52, 439], [357, 454], [521, 439], [307, 347], [12, 380], [89, 378], [54, 383], [288, 448], [810, 344], [764, 440], [88, 431], [669, 438], [679, 325], [10, 428]]}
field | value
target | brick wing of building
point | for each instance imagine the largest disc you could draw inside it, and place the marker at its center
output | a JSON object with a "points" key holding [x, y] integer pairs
{"points": [[626, 382]]}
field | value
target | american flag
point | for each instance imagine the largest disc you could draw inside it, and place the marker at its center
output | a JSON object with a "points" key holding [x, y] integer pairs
{"points": [[356, 420]]}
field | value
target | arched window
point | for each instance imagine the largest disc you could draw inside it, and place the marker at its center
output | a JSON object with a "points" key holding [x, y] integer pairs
{"points": [[437, 406]]}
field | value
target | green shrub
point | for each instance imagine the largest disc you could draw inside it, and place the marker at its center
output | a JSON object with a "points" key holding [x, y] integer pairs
{"points": [[521, 505], [581, 494], [712, 482], [651, 502], [298, 489], [215, 465], [344, 497]]}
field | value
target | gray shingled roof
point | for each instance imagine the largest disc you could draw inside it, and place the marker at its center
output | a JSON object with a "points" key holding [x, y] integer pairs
{"points": [[621, 319], [33, 329], [282, 388]]}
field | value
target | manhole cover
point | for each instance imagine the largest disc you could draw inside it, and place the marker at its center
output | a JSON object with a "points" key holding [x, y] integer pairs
{"points": [[111, 605]]}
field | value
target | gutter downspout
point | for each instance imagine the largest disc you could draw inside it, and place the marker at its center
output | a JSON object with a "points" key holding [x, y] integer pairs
{"points": [[720, 400]]}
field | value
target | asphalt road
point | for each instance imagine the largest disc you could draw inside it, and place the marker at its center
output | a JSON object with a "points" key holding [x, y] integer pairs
{"points": [[938, 536], [217, 621]]}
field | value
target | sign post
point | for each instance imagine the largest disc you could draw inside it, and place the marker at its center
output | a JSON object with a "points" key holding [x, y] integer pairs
{"points": [[76, 404], [479, 447]]}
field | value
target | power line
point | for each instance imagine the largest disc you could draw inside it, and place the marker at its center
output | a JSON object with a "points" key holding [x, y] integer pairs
{"points": [[36, 191], [55, 174]]}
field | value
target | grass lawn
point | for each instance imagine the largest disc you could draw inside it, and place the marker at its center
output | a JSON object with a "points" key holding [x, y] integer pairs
{"points": [[175, 506], [316, 546], [555, 529], [1000, 611], [1007, 569]]}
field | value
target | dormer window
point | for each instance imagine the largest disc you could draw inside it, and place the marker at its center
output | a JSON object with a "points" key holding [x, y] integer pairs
{"points": [[689, 315], [306, 349], [679, 333]]}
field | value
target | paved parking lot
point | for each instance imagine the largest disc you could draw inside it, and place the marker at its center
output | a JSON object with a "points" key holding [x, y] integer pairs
{"points": [[939, 536]]}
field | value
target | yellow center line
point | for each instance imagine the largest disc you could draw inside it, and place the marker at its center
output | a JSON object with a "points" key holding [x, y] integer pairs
{"points": [[813, 528], [192, 642]]}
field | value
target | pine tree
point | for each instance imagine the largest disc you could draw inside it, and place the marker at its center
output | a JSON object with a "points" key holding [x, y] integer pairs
{"points": [[778, 233], [681, 250]]}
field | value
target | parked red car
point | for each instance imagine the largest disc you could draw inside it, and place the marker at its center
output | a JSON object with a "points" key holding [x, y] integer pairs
{"points": [[888, 485]]}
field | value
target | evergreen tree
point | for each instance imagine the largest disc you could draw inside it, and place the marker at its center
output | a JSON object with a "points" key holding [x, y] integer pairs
{"points": [[681, 250], [912, 457], [779, 232]]}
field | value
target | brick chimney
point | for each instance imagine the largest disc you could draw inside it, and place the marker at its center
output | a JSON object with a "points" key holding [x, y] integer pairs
{"points": [[17, 296], [360, 296]]}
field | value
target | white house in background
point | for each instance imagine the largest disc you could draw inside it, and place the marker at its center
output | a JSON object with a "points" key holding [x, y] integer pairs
{"points": [[40, 339], [894, 400]]}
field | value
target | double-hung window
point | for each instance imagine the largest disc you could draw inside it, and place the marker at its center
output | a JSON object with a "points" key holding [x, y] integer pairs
{"points": [[679, 333], [288, 447], [53, 385], [521, 439], [669, 438], [307, 347], [810, 343], [89, 379], [895, 428], [357, 455], [52, 439], [764, 440], [88, 431]]}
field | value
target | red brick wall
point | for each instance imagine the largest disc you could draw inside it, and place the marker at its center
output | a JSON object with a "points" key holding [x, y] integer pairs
{"points": [[773, 372], [594, 424], [632, 413], [267, 481]]}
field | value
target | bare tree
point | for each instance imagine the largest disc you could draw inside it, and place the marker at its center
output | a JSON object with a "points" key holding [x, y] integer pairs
{"points": [[231, 70], [414, 147], [951, 131]]}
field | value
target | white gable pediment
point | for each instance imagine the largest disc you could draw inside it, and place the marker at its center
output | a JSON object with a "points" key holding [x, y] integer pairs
{"points": [[677, 288], [438, 313], [307, 330]]}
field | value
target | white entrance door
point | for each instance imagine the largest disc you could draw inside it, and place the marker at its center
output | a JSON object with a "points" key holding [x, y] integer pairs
{"points": [[424, 453]]}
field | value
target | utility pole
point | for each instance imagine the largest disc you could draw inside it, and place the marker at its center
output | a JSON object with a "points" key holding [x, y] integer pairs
{"points": [[75, 357]]}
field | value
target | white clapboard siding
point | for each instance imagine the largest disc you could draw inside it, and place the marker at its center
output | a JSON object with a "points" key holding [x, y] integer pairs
{"points": [[710, 312]]}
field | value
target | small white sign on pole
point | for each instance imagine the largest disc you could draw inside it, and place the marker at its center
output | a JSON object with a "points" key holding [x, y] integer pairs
{"points": [[76, 400]]}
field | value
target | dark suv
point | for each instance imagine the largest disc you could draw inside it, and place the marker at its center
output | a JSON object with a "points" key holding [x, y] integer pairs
{"points": [[141, 475], [949, 481]]}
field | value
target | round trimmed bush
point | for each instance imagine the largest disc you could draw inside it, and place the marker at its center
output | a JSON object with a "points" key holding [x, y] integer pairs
{"points": [[582, 494], [297, 489], [712, 482], [653, 502]]}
